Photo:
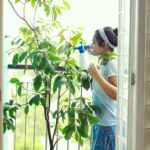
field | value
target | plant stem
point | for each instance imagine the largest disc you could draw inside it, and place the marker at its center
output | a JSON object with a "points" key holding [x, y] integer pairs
{"points": [[35, 12], [23, 19], [57, 119], [47, 110], [48, 128]]}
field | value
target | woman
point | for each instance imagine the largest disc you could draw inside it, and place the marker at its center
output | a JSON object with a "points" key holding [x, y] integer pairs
{"points": [[104, 89]]}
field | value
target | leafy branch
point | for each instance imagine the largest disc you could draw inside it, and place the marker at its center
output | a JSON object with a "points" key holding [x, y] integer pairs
{"points": [[46, 55]]}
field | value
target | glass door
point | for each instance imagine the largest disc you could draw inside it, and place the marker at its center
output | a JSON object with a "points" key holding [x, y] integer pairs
{"points": [[132, 71], [123, 73]]}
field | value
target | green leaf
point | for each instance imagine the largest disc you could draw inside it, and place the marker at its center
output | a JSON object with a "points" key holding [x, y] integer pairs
{"points": [[47, 69], [52, 70], [26, 110], [86, 82], [83, 125], [43, 102], [54, 57], [33, 2], [57, 83], [66, 4], [47, 10], [32, 54], [45, 44], [68, 54], [62, 38], [73, 104], [62, 116], [54, 113], [15, 60], [83, 129], [71, 86], [54, 14], [71, 116], [43, 63], [82, 116], [58, 9], [16, 1], [37, 82], [36, 60], [11, 113], [22, 56], [76, 39], [26, 61], [11, 126], [76, 136], [68, 134], [88, 109], [71, 63], [66, 128], [11, 102], [22, 43], [35, 100], [4, 127], [95, 109], [18, 41], [93, 119], [19, 90], [61, 32], [81, 141], [15, 80], [27, 33], [68, 131]]}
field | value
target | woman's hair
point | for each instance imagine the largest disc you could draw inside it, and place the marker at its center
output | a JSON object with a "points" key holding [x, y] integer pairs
{"points": [[112, 35]]}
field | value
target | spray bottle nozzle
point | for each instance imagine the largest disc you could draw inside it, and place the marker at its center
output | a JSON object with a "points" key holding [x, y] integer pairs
{"points": [[83, 62], [82, 48]]}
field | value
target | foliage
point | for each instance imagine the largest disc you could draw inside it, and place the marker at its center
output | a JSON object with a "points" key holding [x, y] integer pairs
{"points": [[9, 110], [104, 58], [48, 48]]}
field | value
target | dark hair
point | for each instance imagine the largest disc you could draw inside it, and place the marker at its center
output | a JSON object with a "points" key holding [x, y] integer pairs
{"points": [[112, 35]]}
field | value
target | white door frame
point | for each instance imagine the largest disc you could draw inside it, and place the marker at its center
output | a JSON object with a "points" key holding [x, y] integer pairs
{"points": [[135, 140], [1, 72]]}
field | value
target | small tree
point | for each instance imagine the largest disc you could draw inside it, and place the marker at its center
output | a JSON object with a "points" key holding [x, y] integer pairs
{"points": [[55, 71]]}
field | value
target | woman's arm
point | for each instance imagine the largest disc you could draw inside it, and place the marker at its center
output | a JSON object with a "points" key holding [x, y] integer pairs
{"points": [[110, 86]]}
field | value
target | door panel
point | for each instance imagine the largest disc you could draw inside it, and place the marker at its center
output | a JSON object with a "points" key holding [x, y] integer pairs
{"points": [[123, 73]]}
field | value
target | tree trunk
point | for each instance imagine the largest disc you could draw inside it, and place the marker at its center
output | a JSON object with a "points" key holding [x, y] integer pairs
{"points": [[51, 147]]}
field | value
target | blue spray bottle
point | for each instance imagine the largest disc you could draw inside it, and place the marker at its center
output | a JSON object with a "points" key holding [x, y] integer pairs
{"points": [[83, 62]]}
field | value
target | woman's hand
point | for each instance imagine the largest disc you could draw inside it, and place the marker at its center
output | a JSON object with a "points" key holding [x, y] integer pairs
{"points": [[90, 51], [94, 71]]}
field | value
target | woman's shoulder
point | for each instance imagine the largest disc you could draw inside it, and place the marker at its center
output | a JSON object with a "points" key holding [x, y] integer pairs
{"points": [[112, 63]]}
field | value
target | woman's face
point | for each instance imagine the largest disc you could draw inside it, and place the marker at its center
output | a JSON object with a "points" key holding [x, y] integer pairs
{"points": [[96, 48]]}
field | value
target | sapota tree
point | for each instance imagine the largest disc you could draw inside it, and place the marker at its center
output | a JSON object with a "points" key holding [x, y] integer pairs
{"points": [[48, 48]]}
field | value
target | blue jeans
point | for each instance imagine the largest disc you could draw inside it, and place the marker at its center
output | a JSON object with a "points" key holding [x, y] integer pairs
{"points": [[103, 137]]}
